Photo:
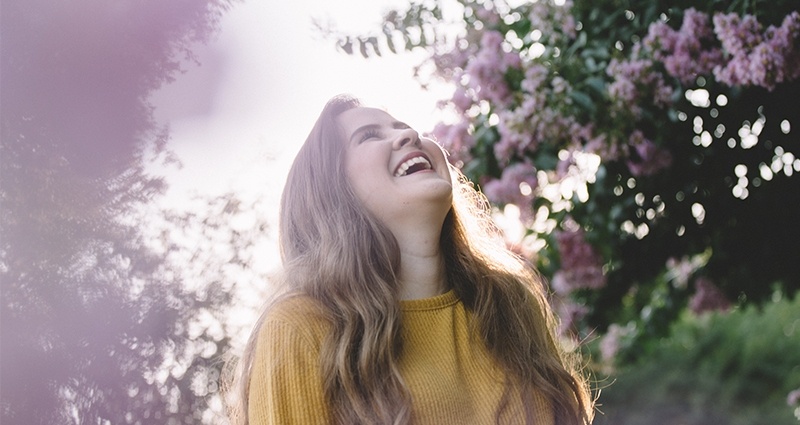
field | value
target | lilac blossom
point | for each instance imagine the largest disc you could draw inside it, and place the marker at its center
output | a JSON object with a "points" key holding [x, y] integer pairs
{"points": [[516, 128], [707, 297], [645, 157], [688, 52], [604, 146], [610, 343], [635, 81], [793, 398], [486, 71], [450, 64], [581, 264], [570, 314], [535, 76], [554, 20], [515, 186], [754, 57], [456, 140], [489, 17], [538, 119], [462, 100], [680, 270]]}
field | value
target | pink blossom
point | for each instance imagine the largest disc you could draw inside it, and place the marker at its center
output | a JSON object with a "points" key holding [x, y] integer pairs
{"points": [[450, 64], [645, 157], [489, 17], [754, 57], [518, 128], [486, 71], [605, 147], [635, 81], [535, 76], [581, 264], [461, 100], [707, 297], [563, 165], [505, 148], [610, 342], [456, 140], [515, 186], [688, 52], [554, 20], [569, 314], [793, 398], [680, 270]]}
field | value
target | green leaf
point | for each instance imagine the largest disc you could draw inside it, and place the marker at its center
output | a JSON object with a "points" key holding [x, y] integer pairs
{"points": [[597, 84], [545, 160], [583, 100]]}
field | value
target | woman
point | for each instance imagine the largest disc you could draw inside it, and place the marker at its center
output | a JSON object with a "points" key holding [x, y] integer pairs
{"points": [[400, 303]]}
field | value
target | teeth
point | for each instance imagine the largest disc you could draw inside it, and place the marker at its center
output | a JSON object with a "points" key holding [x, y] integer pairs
{"points": [[403, 168]]}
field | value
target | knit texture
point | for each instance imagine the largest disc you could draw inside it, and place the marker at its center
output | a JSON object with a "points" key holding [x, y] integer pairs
{"points": [[449, 373]]}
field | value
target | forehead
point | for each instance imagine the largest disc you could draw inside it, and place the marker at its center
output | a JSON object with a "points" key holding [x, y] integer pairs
{"points": [[352, 119]]}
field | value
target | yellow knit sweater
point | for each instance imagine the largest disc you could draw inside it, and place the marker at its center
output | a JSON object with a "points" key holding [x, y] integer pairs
{"points": [[450, 375]]}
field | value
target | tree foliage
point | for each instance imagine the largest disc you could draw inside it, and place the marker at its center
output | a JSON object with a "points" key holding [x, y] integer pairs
{"points": [[647, 146], [92, 314]]}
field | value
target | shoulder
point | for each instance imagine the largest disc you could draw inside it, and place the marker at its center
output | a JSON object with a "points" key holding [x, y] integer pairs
{"points": [[295, 317], [286, 385]]}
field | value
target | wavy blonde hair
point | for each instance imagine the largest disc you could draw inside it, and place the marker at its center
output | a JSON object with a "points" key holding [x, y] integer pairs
{"points": [[336, 253]]}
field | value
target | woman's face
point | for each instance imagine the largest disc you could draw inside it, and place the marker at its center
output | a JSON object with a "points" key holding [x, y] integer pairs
{"points": [[392, 171]]}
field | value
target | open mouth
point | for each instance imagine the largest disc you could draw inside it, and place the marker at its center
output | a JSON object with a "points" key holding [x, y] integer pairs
{"points": [[412, 165]]}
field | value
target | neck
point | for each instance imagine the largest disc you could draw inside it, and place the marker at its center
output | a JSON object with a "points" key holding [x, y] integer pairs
{"points": [[422, 271]]}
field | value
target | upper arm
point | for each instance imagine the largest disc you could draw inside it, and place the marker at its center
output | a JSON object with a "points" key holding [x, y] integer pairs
{"points": [[286, 383]]}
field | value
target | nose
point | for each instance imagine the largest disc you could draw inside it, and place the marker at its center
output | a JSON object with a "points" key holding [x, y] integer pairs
{"points": [[406, 136]]}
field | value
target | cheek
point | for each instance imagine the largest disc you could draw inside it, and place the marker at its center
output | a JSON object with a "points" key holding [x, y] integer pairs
{"points": [[359, 172]]}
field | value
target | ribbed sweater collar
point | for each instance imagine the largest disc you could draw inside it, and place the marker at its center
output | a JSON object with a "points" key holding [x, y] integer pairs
{"points": [[433, 303]]}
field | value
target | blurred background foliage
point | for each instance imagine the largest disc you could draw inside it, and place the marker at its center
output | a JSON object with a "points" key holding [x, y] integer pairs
{"points": [[102, 320], [648, 151]]}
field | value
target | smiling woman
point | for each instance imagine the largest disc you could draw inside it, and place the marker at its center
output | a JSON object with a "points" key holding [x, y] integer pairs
{"points": [[400, 303]]}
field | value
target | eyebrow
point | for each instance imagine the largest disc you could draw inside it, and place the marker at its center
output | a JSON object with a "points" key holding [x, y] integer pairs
{"points": [[363, 128]]}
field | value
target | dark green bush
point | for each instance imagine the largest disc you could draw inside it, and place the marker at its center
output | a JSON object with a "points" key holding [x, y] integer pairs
{"points": [[731, 368]]}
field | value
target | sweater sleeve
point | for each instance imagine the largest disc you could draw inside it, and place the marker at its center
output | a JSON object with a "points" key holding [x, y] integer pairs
{"points": [[286, 383]]}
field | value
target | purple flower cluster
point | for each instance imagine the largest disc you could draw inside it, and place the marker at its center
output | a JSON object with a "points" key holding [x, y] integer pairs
{"points": [[488, 17], [793, 398], [754, 57], [570, 314], [645, 157], [688, 52], [636, 82], [525, 128], [556, 21], [611, 342], [515, 186], [486, 71], [737, 51], [707, 297], [603, 146], [539, 117], [581, 264], [456, 140], [461, 100]]}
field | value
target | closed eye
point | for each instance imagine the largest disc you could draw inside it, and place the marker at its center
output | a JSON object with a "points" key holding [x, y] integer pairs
{"points": [[369, 134]]}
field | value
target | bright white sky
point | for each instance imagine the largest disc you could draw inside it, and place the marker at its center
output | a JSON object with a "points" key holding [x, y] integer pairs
{"points": [[237, 120]]}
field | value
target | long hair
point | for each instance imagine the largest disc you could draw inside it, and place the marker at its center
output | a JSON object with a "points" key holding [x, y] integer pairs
{"points": [[338, 254]]}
